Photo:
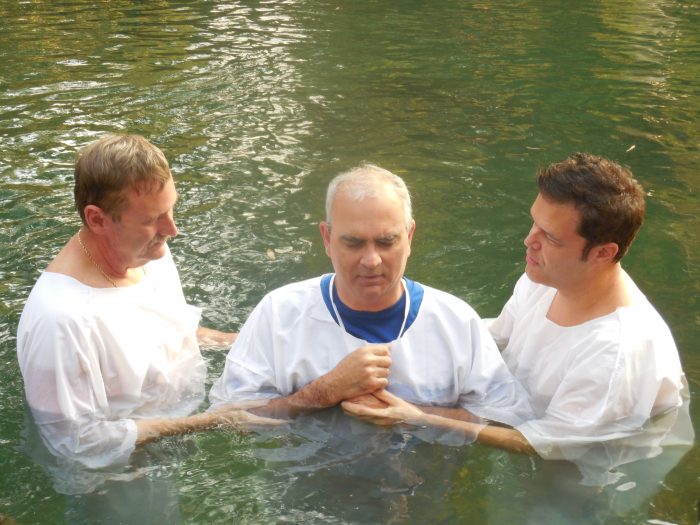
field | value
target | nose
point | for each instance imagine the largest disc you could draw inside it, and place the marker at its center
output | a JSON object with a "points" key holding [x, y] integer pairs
{"points": [[531, 240], [370, 257], [168, 227]]}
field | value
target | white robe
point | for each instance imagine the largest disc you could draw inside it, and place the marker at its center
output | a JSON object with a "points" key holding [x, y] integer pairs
{"points": [[595, 383], [95, 359], [445, 358]]}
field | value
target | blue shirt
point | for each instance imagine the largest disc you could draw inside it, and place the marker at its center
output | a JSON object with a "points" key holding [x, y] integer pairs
{"points": [[375, 327]]}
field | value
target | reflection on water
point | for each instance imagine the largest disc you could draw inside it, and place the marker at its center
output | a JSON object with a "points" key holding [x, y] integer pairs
{"points": [[256, 105], [329, 468]]}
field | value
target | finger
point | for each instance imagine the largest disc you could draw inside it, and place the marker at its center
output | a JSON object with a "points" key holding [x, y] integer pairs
{"points": [[383, 361], [363, 411], [387, 396], [380, 371], [380, 383], [380, 350], [266, 421], [352, 408]]}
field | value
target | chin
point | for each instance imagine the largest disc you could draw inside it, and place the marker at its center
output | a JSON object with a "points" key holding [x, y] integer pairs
{"points": [[533, 275], [155, 252]]}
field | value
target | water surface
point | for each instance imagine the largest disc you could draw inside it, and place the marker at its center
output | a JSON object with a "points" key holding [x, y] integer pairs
{"points": [[257, 104]]}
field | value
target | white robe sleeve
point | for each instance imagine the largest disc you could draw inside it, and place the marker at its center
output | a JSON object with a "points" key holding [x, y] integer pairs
{"points": [[249, 372], [490, 390], [594, 387], [63, 386], [93, 360]]}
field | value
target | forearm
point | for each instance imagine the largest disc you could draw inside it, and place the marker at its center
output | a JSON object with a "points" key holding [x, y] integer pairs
{"points": [[458, 413], [314, 396], [493, 436], [149, 430], [211, 337]]}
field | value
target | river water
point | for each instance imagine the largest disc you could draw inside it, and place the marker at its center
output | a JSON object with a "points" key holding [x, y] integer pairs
{"points": [[257, 104]]}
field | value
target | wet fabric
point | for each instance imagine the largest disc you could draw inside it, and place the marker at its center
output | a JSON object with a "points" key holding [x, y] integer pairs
{"points": [[445, 358], [95, 359], [592, 386]]}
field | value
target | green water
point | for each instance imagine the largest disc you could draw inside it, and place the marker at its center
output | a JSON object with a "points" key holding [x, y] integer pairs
{"points": [[257, 104]]}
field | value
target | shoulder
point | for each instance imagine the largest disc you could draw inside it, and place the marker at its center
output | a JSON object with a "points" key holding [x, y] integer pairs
{"points": [[308, 287], [294, 297], [641, 324], [57, 305], [56, 294], [445, 303], [641, 317]]}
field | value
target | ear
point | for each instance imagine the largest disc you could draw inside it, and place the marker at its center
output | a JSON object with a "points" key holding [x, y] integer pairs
{"points": [[411, 231], [95, 218], [604, 253], [325, 230]]}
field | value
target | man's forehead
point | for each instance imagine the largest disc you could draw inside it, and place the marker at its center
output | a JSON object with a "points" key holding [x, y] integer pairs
{"points": [[150, 192], [562, 217], [383, 236]]}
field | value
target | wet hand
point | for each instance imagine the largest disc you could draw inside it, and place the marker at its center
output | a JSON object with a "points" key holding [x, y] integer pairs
{"points": [[237, 417], [363, 371], [385, 409]]}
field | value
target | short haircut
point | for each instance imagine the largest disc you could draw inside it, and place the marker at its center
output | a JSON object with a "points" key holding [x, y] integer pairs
{"points": [[364, 182], [107, 167], [608, 198]]}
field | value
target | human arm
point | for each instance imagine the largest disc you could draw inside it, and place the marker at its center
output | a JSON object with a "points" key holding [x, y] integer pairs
{"points": [[392, 410], [291, 355], [149, 430], [364, 370], [211, 337]]}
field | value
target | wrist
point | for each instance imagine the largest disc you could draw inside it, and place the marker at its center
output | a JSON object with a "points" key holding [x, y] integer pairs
{"points": [[318, 394]]}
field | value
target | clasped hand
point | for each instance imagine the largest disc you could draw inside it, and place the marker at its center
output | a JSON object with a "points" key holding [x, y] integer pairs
{"points": [[383, 408], [363, 371]]}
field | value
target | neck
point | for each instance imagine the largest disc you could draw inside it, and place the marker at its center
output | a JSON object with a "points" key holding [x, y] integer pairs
{"points": [[373, 304], [100, 259], [593, 297]]}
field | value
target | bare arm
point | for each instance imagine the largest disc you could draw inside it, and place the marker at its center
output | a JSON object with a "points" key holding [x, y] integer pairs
{"points": [[395, 411], [451, 412], [360, 372], [212, 337], [149, 430], [491, 435]]}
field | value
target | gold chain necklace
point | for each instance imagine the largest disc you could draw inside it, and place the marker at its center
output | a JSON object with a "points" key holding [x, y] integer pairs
{"points": [[93, 261]]}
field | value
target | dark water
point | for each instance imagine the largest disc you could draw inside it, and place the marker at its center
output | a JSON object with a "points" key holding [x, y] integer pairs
{"points": [[257, 104]]}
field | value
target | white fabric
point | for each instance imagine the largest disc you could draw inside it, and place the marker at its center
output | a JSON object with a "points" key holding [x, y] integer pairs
{"points": [[94, 359], [596, 382], [445, 358]]}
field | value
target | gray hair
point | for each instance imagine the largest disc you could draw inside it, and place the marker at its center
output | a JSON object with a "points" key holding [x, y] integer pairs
{"points": [[364, 182]]}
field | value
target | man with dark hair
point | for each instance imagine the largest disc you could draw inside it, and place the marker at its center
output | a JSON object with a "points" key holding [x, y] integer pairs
{"points": [[107, 345], [599, 363]]}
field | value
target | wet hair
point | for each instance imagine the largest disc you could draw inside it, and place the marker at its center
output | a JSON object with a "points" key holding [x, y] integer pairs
{"points": [[107, 167], [608, 198], [367, 181]]}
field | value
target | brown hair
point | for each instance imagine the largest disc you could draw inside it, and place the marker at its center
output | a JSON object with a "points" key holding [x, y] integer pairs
{"points": [[609, 199], [112, 164]]}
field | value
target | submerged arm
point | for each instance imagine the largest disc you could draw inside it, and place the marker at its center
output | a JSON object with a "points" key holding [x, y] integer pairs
{"points": [[394, 410], [211, 337], [149, 430]]}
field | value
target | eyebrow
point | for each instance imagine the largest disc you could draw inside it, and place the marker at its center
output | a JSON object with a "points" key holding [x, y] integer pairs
{"points": [[383, 238], [350, 238], [549, 235]]}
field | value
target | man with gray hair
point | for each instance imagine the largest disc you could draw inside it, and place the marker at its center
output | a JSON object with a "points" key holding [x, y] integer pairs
{"points": [[313, 344]]}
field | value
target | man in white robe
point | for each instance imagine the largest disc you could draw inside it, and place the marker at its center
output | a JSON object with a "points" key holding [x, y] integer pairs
{"points": [[597, 360], [107, 345]]}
